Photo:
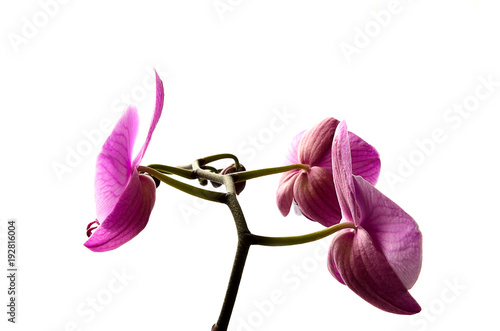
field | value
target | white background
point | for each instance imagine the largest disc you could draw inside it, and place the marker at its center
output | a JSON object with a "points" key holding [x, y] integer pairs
{"points": [[67, 68]]}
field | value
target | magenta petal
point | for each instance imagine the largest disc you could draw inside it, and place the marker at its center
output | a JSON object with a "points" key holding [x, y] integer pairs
{"points": [[316, 142], [315, 195], [342, 173], [284, 195], [366, 272], [154, 121], [128, 218], [393, 231], [114, 163], [365, 159], [332, 266]]}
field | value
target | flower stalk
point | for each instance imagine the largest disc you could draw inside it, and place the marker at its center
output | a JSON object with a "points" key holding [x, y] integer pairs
{"points": [[245, 238], [246, 175], [297, 240], [196, 191]]}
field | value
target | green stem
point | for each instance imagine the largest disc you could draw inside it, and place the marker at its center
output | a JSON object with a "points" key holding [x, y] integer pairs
{"points": [[232, 286], [197, 192], [189, 174], [246, 175], [245, 238], [295, 240], [212, 158], [244, 243], [212, 169]]}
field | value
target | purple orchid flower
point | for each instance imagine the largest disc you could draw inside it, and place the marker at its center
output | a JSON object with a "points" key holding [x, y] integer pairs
{"points": [[313, 190], [124, 198], [381, 258]]}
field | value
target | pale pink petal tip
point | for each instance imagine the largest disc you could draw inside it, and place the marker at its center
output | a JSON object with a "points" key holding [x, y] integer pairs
{"points": [[154, 120]]}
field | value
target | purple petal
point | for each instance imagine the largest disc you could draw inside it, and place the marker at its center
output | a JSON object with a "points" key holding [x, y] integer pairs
{"points": [[292, 156], [332, 266], [365, 159], [284, 195], [128, 218], [326, 161], [114, 163], [392, 230], [366, 272], [154, 121], [317, 142], [342, 173], [315, 195]]}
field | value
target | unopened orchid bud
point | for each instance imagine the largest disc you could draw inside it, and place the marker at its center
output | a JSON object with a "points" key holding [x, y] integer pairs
{"points": [[232, 169]]}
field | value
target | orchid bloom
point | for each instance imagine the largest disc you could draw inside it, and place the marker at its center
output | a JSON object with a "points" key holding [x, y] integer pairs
{"points": [[313, 189], [381, 258], [124, 197]]}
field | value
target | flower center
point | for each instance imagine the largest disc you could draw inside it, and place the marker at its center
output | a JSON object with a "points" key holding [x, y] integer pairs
{"points": [[90, 228]]}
